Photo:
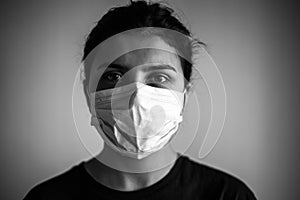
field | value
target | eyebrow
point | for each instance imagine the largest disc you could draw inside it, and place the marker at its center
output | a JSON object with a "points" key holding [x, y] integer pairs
{"points": [[146, 69]]}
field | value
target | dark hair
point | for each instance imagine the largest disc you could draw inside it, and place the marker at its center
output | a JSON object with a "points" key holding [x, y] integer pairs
{"points": [[138, 14]]}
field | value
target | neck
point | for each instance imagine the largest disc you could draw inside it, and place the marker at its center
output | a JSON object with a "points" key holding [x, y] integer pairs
{"points": [[145, 172]]}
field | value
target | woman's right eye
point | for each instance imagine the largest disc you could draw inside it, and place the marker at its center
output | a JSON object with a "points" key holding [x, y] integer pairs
{"points": [[109, 80], [112, 76]]}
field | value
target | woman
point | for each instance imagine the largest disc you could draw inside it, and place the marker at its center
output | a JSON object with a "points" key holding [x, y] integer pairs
{"points": [[136, 102]]}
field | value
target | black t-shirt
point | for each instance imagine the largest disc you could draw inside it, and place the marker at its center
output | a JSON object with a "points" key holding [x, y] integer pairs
{"points": [[186, 180]]}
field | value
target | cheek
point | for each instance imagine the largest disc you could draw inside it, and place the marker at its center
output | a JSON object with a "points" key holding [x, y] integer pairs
{"points": [[179, 79], [181, 83], [178, 83]]}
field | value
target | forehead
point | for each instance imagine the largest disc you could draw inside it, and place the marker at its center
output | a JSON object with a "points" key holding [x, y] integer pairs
{"points": [[147, 56], [160, 52]]}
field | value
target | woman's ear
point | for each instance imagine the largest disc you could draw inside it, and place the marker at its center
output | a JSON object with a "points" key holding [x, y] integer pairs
{"points": [[188, 87]]}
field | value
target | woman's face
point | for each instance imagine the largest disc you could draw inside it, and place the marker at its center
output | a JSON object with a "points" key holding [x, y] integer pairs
{"points": [[155, 67]]}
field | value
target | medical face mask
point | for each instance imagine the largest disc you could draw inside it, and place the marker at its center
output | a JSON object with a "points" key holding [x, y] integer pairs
{"points": [[137, 119]]}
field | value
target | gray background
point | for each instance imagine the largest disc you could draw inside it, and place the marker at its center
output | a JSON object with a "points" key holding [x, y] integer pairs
{"points": [[254, 43]]}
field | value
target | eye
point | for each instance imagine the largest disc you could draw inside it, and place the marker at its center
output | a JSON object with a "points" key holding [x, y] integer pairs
{"points": [[112, 76], [159, 78]]}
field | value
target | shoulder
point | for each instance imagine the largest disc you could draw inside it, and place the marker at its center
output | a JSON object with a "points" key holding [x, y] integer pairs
{"points": [[215, 181], [62, 186]]}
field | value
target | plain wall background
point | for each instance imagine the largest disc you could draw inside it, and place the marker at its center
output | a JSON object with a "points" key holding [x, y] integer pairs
{"points": [[254, 43]]}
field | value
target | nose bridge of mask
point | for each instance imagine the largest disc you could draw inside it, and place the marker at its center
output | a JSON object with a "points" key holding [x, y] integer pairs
{"points": [[145, 96], [123, 97], [140, 104]]}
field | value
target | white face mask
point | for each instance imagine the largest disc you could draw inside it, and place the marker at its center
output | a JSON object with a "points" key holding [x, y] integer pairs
{"points": [[137, 119]]}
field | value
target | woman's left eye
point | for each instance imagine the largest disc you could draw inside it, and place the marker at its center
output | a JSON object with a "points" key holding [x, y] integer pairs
{"points": [[159, 79]]}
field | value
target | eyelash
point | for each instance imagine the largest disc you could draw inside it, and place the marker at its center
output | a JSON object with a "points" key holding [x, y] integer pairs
{"points": [[162, 75], [154, 75], [105, 75]]}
